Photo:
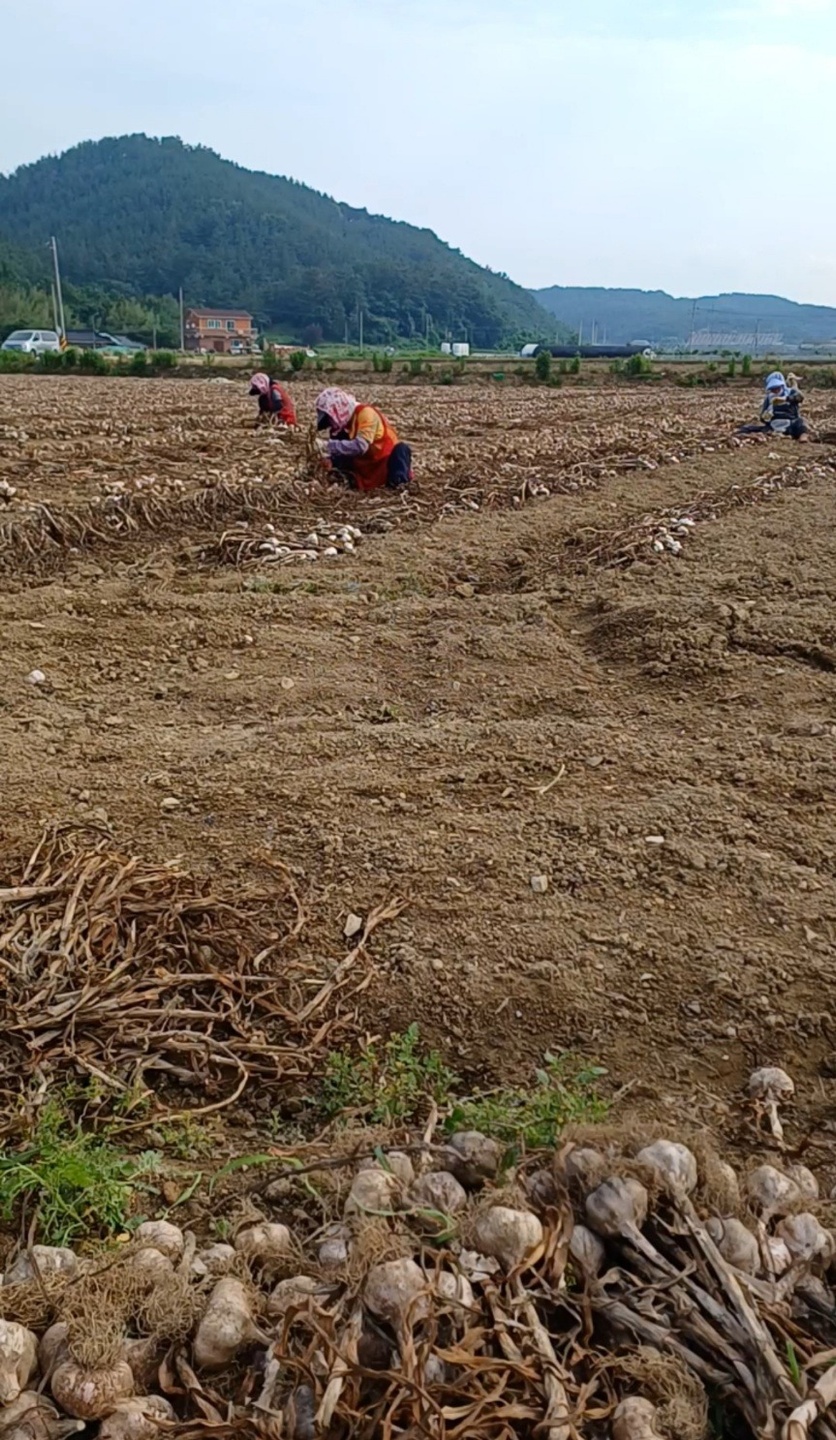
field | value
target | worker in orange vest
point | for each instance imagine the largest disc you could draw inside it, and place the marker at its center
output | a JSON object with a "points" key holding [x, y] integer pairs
{"points": [[274, 401], [363, 446]]}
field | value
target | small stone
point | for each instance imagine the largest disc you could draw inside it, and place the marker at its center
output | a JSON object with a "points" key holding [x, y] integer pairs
{"points": [[539, 884], [353, 926], [170, 803], [36, 677], [232, 675], [654, 839], [286, 682]]}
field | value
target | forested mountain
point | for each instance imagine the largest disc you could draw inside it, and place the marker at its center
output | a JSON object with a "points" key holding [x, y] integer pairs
{"points": [[152, 215], [626, 315]]}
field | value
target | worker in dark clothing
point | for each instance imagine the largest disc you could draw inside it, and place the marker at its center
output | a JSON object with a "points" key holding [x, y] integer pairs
{"points": [[275, 404], [781, 410]]}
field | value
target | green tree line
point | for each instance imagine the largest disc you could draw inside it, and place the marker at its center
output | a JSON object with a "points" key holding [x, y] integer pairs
{"points": [[139, 217]]}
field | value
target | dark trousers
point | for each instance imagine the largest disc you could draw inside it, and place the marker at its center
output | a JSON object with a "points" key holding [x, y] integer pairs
{"points": [[794, 429], [400, 467]]}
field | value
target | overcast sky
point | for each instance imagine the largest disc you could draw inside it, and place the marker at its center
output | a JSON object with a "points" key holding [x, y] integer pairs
{"points": [[666, 144]]}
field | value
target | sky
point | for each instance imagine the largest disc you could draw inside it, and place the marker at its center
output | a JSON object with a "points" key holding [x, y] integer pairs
{"points": [[663, 144]]}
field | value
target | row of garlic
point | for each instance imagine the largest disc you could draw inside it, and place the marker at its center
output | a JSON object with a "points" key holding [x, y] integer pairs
{"points": [[314, 546]]}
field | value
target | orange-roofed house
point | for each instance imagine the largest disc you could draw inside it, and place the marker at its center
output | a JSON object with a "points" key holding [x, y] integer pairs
{"points": [[226, 332]]}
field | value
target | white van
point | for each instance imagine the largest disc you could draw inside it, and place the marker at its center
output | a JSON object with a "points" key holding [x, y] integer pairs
{"points": [[32, 342]]}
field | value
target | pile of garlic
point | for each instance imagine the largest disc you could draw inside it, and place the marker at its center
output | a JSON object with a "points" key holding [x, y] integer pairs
{"points": [[321, 543], [434, 1247], [670, 535]]}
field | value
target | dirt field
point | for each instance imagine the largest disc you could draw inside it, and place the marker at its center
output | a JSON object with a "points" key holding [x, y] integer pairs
{"points": [[497, 685]]}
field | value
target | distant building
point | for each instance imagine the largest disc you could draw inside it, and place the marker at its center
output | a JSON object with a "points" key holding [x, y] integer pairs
{"points": [[225, 332]]}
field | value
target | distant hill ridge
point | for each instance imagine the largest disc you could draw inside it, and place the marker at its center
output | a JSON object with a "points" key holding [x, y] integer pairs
{"points": [[735, 319], [151, 215]]}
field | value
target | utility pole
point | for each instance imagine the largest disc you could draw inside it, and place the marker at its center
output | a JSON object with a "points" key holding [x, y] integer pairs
{"points": [[757, 335], [54, 308], [182, 322], [580, 334], [58, 296], [693, 320]]}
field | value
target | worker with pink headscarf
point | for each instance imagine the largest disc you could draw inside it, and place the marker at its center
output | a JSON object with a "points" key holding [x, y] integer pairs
{"points": [[363, 446], [274, 401]]}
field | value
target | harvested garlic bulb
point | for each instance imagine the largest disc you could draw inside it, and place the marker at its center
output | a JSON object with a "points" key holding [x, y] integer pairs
{"points": [[770, 1087], [805, 1238], [18, 1359], [674, 1165], [42, 1260], [587, 1251], [771, 1193], [510, 1236], [806, 1181], [396, 1291], [91, 1394], [163, 1236], [635, 1419], [736, 1244], [268, 1245]]}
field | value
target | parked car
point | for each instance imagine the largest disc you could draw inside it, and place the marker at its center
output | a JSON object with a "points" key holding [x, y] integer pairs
{"points": [[119, 344], [33, 342]]}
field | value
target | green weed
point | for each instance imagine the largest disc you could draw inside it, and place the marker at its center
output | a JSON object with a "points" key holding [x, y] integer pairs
{"points": [[565, 1092], [186, 1140], [392, 1084], [398, 1082], [75, 1182]]}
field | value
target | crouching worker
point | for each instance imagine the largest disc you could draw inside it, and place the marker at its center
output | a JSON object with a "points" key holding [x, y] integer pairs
{"points": [[275, 405], [361, 445], [781, 410]]}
